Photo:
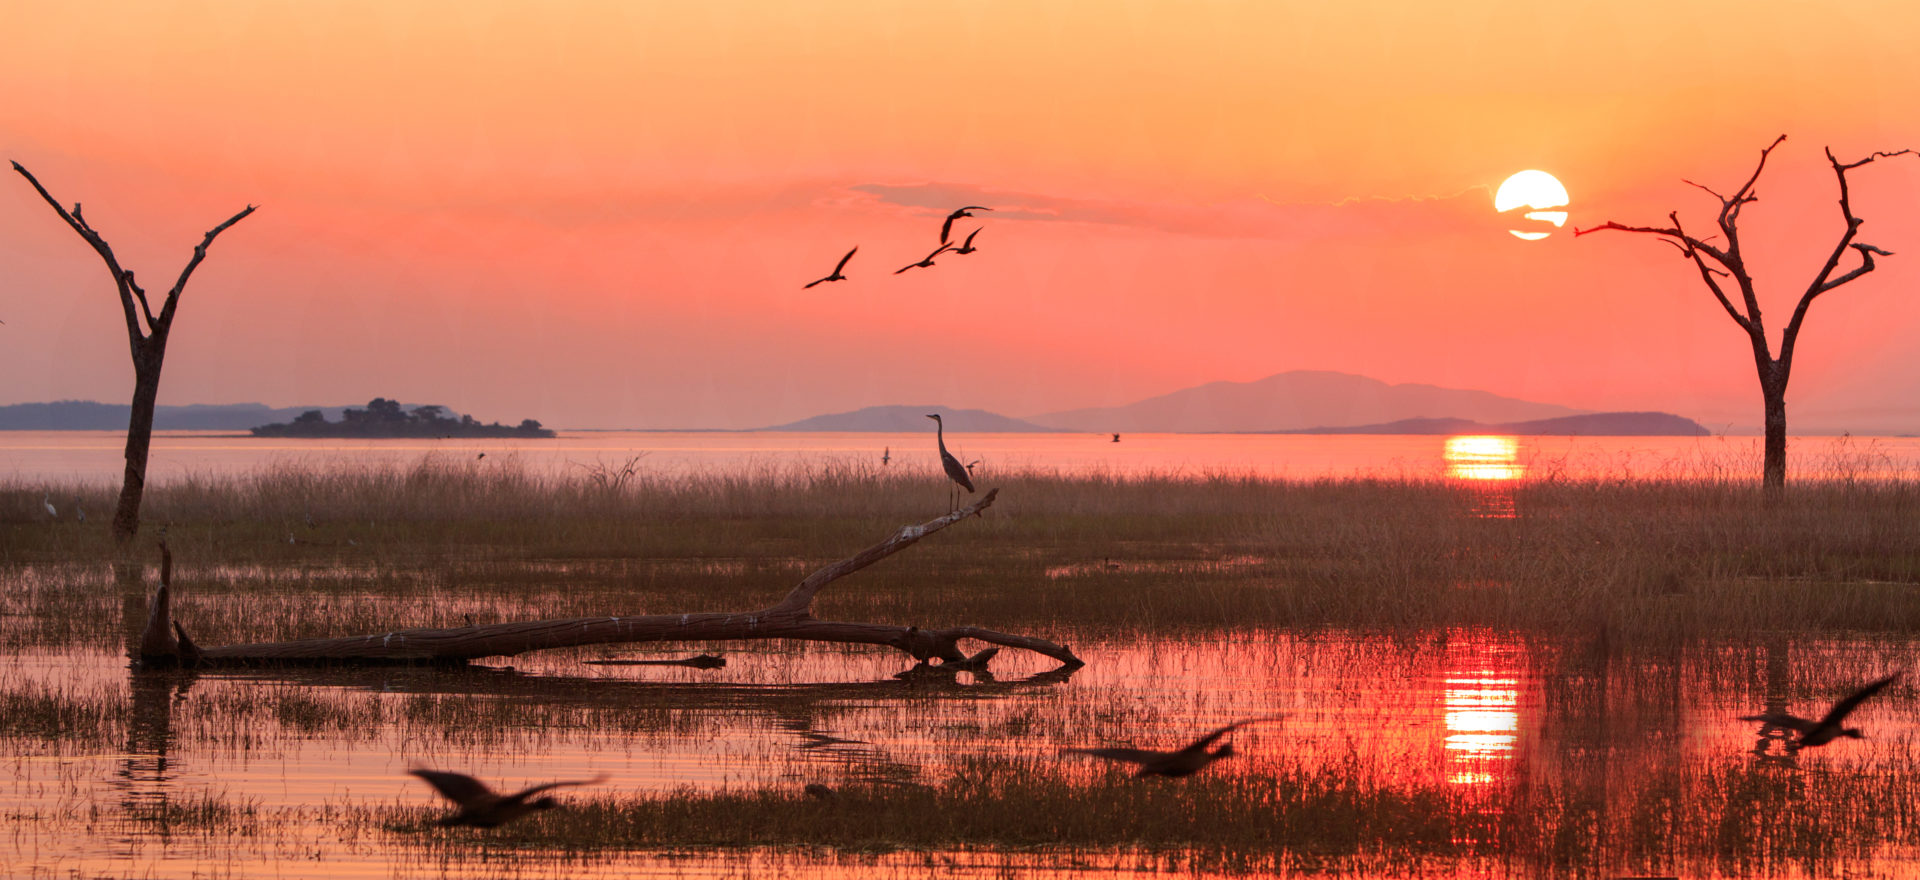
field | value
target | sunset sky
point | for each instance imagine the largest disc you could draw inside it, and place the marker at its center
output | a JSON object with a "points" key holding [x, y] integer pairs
{"points": [[601, 214]]}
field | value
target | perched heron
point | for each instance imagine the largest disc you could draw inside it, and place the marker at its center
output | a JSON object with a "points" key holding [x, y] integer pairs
{"points": [[947, 227], [79, 513], [952, 465], [926, 263], [836, 276], [1827, 729], [47, 502], [1185, 762], [966, 247], [481, 806]]}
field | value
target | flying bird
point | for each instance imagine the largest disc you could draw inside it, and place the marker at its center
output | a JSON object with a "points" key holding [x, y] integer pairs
{"points": [[966, 247], [886, 455], [1185, 762], [481, 806], [1828, 728], [926, 263], [947, 227], [836, 276], [955, 471]]}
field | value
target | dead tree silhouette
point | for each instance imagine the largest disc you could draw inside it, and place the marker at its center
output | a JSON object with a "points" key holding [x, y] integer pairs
{"points": [[149, 347], [1728, 262]]}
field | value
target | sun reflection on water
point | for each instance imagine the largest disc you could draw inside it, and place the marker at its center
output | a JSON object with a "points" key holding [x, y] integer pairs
{"points": [[1481, 699], [1484, 458]]}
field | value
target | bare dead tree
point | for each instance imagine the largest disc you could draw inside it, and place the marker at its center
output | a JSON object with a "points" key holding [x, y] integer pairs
{"points": [[147, 337], [1726, 262]]}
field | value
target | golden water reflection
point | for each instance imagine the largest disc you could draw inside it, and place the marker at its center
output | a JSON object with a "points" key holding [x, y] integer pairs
{"points": [[1477, 457]]}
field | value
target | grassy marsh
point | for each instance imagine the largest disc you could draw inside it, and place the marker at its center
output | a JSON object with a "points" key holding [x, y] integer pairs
{"points": [[1624, 623]]}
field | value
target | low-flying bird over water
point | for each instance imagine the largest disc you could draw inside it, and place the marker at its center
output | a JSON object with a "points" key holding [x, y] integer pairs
{"points": [[947, 227], [481, 806], [948, 463], [1828, 728], [1185, 762], [966, 247], [836, 276], [926, 263]]}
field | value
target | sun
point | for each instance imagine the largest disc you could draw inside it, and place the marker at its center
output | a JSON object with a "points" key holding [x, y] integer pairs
{"points": [[1536, 191]]}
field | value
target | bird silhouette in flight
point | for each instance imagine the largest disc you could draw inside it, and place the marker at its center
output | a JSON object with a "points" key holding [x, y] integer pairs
{"points": [[951, 465], [482, 807], [1828, 728], [928, 262], [1185, 762], [966, 247], [836, 276], [947, 227]]}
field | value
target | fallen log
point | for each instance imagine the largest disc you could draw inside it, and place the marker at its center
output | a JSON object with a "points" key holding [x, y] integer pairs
{"points": [[790, 618]]}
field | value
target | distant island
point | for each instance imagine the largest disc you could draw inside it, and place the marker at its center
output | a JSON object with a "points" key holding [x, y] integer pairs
{"points": [[386, 418]]}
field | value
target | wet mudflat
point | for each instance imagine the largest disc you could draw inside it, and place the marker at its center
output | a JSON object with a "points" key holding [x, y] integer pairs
{"points": [[1529, 680]]}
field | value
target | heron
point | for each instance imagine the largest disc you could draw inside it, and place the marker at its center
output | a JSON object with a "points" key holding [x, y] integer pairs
{"points": [[836, 276], [1828, 728], [1185, 762], [966, 247], [482, 807], [926, 263], [947, 227], [47, 502], [79, 513], [951, 465]]}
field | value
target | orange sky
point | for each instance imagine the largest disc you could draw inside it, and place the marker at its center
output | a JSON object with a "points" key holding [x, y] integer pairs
{"points": [[601, 216]]}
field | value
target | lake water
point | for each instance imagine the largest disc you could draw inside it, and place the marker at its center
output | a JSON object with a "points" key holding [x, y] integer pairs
{"points": [[95, 456]]}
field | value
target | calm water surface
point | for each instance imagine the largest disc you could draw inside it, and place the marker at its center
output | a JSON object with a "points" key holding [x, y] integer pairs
{"points": [[96, 455], [296, 752]]}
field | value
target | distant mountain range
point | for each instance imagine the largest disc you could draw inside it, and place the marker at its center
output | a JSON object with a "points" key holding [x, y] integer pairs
{"points": [[898, 419], [1296, 401], [87, 415], [1613, 424], [1303, 401]]}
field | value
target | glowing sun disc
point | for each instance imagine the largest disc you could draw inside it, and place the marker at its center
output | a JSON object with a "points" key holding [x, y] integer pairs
{"points": [[1537, 191]]}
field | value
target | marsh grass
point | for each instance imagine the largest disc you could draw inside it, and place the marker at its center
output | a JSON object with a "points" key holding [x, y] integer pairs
{"points": [[432, 543], [1733, 818]]}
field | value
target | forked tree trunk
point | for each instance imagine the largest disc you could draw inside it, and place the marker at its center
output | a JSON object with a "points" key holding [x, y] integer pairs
{"points": [[790, 618], [1774, 465], [147, 339], [146, 391]]}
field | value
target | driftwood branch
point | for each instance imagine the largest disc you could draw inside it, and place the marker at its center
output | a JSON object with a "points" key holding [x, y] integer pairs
{"points": [[790, 618]]}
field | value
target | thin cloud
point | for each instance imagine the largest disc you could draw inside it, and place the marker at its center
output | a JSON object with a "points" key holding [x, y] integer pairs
{"points": [[1257, 217]]}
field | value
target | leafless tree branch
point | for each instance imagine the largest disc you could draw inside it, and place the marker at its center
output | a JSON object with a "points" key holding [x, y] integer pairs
{"points": [[120, 276]]}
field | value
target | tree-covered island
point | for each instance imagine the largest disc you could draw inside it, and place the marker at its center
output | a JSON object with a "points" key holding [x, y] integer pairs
{"points": [[385, 418]]}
